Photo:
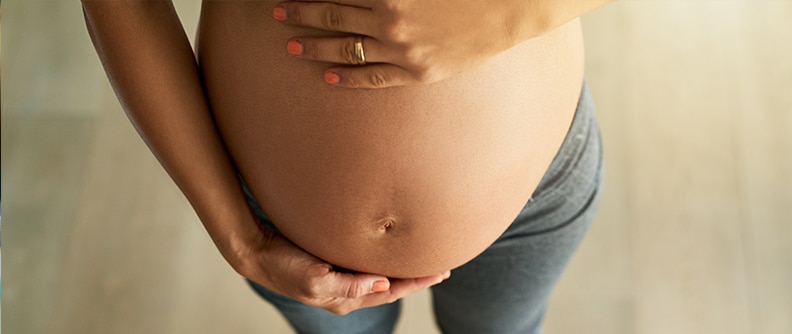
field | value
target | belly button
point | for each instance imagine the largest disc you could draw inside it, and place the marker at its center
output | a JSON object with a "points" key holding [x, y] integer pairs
{"points": [[386, 225]]}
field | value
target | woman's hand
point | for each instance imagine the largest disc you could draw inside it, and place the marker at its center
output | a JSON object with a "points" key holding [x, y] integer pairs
{"points": [[281, 266], [406, 42], [409, 42]]}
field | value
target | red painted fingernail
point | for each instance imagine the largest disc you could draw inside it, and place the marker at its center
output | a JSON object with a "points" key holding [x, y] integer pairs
{"points": [[380, 286], [280, 13], [294, 47], [332, 77]]}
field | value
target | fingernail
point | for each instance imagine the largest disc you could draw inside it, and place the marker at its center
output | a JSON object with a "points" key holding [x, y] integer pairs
{"points": [[279, 13], [331, 77], [294, 47], [447, 274], [380, 286]]}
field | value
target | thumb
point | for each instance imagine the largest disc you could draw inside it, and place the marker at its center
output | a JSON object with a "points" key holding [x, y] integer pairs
{"points": [[348, 285]]}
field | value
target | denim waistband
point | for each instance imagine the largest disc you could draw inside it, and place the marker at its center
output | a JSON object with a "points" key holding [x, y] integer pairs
{"points": [[262, 217], [582, 132]]}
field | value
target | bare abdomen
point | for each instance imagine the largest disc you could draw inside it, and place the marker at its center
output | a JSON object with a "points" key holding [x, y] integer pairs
{"points": [[402, 182]]}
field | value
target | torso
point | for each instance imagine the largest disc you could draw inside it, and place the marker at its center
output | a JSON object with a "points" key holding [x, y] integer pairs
{"points": [[402, 182]]}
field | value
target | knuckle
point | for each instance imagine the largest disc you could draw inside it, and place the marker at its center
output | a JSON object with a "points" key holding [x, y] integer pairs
{"points": [[413, 55], [311, 49], [354, 290], [352, 82], [295, 15], [306, 296], [391, 5], [308, 291], [331, 17], [378, 78], [395, 30], [348, 51]]}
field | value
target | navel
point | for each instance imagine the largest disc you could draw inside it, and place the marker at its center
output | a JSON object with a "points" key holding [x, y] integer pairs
{"points": [[386, 225]]}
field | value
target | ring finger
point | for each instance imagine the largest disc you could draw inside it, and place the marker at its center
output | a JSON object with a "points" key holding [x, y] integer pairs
{"points": [[339, 50]]}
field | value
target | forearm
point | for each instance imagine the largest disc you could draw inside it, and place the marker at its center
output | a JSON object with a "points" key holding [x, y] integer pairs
{"points": [[532, 18], [151, 66]]}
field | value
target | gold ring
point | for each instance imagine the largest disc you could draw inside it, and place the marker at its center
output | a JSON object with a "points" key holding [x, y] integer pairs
{"points": [[360, 56]]}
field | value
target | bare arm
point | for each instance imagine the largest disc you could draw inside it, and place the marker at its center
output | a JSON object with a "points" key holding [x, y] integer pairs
{"points": [[153, 71], [151, 66]]}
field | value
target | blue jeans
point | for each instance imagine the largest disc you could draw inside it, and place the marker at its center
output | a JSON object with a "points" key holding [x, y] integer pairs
{"points": [[505, 289]]}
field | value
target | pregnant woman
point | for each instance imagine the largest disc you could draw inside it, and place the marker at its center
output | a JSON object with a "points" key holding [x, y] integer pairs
{"points": [[344, 154]]}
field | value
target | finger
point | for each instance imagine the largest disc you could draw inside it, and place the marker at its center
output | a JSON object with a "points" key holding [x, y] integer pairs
{"points": [[369, 76], [405, 287], [327, 16], [346, 285], [356, 3], [399, 289], [339, 50]]}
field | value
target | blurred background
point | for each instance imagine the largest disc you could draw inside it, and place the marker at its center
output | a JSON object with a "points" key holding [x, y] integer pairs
{"points": [[693, 235]]}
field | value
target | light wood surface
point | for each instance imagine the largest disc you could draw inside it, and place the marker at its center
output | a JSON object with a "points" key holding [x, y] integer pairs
{"points": [[693, 235]]}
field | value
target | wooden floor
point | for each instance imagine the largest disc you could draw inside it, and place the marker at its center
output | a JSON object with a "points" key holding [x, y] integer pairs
{"points": [[693, 235]]}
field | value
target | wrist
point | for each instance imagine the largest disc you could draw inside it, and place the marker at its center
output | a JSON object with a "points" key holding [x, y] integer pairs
{"points": [[236, 233], [250, 256]]}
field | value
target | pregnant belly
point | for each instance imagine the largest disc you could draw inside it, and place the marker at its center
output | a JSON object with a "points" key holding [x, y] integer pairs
{"points": [[402, 182]]}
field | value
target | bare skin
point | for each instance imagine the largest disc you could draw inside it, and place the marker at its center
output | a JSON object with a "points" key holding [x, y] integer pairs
{"points": [[152, 68], [402, 182], [150, 64]]}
